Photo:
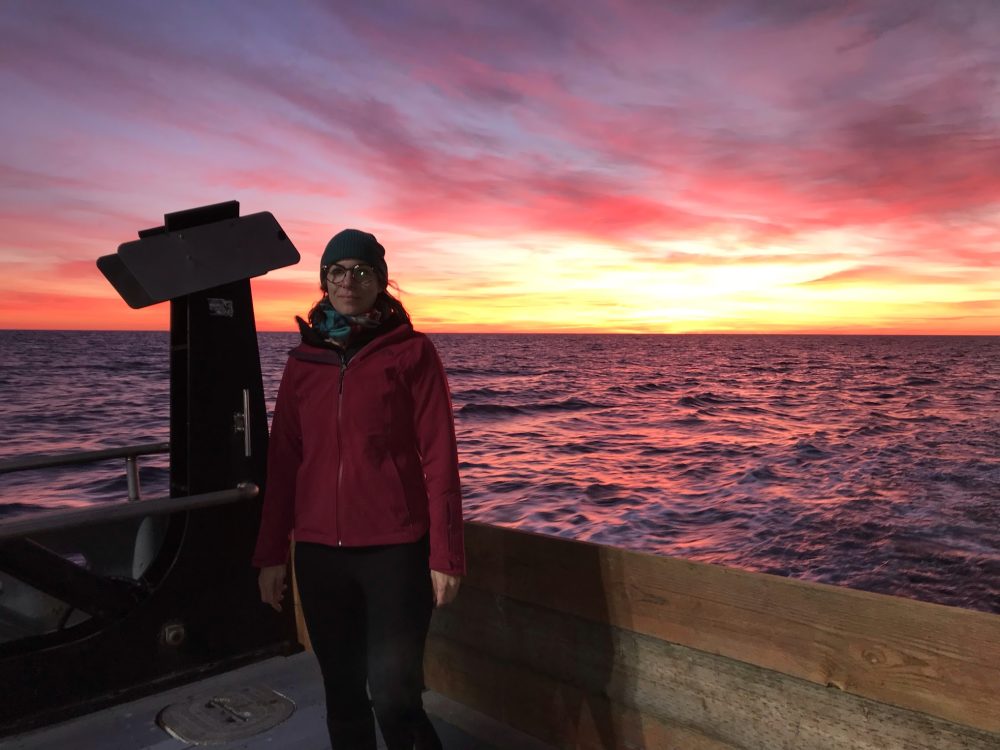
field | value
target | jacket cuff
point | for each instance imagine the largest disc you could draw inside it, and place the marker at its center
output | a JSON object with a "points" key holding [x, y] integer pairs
{"points": [[452, 567]]}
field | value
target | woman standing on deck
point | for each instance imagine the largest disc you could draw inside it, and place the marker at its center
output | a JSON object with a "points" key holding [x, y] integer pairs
{"points": [[363, 471]]}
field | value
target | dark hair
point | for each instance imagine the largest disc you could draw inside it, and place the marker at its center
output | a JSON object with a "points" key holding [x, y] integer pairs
{"points": [[387, 304]]}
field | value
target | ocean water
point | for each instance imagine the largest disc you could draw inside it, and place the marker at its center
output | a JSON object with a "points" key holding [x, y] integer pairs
{"points": [[864, 461]]}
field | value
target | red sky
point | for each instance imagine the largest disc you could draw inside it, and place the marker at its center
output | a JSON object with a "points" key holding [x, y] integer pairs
{"points": [[594, 165]]}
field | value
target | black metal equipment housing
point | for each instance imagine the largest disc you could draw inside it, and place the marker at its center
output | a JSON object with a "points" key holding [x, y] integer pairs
{"points": [[195, 609]]}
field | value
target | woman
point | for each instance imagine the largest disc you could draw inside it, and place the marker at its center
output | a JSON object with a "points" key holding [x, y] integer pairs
{"points": [[363, 472]]}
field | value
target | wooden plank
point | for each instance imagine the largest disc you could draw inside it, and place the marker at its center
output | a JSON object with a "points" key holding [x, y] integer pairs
{"points": [[738, 704], [943, 661], [556, 712]]}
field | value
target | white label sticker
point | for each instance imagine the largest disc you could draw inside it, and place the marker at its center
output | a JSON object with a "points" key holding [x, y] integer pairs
{"points": [[222, 308]]}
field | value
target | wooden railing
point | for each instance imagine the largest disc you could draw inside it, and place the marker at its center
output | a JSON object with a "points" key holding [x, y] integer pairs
{"points": [[590, 646]]}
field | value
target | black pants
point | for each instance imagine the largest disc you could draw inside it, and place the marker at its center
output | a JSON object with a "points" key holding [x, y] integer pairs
{"points": [[367, 610]]}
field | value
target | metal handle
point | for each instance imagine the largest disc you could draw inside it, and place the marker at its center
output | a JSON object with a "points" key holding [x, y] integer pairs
{"points": [[246, 422], [132, 476]]}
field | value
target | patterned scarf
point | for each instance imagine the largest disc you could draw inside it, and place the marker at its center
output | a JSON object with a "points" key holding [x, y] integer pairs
{"points": [[339, 329]]}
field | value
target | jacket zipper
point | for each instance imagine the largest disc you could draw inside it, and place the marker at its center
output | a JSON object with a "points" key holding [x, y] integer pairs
{"points": [[406, 508], [340, 447], [340, 451]]}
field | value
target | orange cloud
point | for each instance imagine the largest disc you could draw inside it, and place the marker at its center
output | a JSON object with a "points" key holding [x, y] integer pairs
{"points": [[889, 275], [44, 310]]}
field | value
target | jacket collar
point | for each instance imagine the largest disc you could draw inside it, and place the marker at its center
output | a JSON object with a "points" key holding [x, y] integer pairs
{"points": [[313, 349]]}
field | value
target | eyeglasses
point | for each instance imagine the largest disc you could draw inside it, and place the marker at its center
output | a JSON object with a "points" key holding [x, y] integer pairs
{"points": [[361, 274]]}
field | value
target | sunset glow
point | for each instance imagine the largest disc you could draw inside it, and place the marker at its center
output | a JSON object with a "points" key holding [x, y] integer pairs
{"points": [[588, 166]]}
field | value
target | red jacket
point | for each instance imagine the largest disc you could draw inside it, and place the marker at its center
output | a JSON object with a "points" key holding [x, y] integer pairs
{"points": [[364, 453]]}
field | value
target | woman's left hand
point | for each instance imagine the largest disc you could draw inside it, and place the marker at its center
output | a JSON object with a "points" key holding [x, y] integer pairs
{"points": [[445, 587]]}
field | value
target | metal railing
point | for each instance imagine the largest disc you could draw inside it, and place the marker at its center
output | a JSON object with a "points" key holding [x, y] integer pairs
{"points": [[72, 458], [57, 520]]}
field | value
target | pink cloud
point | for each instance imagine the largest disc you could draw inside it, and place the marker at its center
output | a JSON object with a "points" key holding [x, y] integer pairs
{"points": [[276, 180]]}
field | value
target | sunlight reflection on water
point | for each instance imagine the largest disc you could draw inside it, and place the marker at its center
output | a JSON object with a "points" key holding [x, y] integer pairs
{"points": [[865, 461]]}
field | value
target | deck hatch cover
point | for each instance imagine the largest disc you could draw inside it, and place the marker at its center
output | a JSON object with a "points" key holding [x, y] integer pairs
{"points": [[225, 715]]}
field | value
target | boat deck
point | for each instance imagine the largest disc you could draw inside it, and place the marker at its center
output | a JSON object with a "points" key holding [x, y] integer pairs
{"points": [[133, 725]]}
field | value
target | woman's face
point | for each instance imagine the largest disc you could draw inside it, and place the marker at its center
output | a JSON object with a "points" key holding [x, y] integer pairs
{"points": [[348, 294]]}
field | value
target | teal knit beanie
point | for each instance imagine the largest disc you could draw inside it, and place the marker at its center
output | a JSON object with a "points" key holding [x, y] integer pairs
{"points": [[353, 243]]}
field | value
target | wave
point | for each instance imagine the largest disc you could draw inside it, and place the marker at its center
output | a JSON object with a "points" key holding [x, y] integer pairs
{"points": [[487, 371], [703, 399], [653, 387], [921, 381], [805, 449], [9, 510], [474, 393], [490, 409], [764, 473]]}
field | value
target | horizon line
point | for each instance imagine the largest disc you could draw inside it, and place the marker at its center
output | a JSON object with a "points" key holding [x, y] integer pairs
{"points": [[551, 333]]}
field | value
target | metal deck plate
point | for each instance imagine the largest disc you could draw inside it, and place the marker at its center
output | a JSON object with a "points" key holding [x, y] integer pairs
{"points": [[225, 715]]}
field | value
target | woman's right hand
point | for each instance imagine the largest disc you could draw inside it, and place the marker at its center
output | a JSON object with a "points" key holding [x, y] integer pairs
{"points": [[272, 585]]}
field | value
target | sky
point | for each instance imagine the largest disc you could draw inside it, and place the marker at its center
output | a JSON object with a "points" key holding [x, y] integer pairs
{"points": [[754, 166]]}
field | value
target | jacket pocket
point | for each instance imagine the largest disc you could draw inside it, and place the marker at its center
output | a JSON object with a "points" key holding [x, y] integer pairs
{"points": [[400, 500]]}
